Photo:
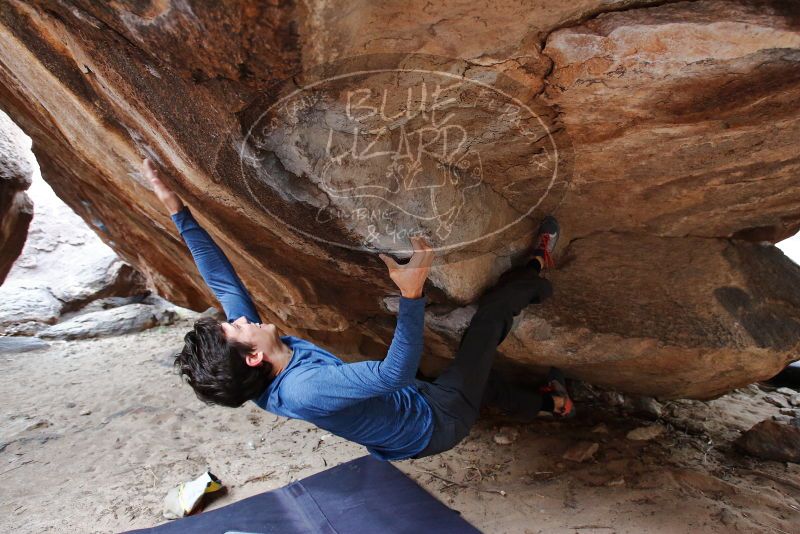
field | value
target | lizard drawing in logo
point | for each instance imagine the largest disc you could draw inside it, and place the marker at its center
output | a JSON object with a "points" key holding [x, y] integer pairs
{"points": [[424, 174]]}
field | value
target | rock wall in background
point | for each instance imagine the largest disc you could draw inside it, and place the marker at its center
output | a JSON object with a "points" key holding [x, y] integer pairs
{"points": [[16, 209], [63, 265], [306, 136]]}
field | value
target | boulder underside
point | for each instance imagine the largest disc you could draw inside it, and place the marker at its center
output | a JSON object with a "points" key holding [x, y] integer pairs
{"points": [[307, 136]]}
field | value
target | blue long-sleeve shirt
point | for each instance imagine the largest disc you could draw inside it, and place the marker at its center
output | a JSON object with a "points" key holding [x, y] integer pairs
{"points": [[373, 403]]}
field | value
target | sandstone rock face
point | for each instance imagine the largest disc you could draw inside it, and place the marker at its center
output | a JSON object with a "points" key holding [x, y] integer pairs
{"points": [[63, 265], [771, 440], [26, 309], [16, 208], [65, 256], [308, 136], [111, 322]]}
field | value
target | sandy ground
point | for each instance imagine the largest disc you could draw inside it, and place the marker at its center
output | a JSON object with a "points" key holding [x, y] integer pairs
{"points": [[94, 433]]}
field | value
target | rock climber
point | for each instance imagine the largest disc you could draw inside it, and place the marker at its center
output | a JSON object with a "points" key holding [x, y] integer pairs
{"points": [[378, 404]]}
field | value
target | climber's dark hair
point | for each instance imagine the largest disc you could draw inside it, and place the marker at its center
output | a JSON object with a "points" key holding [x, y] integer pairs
{"points": [[216, 369]]}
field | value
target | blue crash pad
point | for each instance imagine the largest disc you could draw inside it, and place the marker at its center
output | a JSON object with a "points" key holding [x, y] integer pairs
{"points": [[364, 495]]}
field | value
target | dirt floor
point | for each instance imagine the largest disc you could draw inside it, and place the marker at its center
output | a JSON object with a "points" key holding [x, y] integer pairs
{"points": [[94, 433]]}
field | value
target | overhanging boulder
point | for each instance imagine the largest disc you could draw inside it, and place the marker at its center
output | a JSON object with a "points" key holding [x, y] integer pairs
{"points": [[664, 138]]}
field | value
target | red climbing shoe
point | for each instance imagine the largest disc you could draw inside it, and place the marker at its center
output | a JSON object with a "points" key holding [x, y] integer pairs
{"points": [[557, 387], [546, 239]]}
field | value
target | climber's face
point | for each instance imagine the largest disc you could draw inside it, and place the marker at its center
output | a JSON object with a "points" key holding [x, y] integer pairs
{"points": [[264, 338]]}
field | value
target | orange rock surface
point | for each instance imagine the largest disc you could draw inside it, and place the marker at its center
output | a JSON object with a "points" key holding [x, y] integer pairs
{"points": [[307, 136]]}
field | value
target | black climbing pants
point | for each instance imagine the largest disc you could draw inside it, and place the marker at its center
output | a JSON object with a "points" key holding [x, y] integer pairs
{"points": [[457, 394]]}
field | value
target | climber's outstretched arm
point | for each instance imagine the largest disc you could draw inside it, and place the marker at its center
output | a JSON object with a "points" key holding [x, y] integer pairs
{"points": [[212, 263], [322, 388]]}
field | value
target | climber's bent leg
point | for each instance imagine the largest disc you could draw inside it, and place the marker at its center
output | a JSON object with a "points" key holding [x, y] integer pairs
{"points": [[469, 371], [456, 395]]}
